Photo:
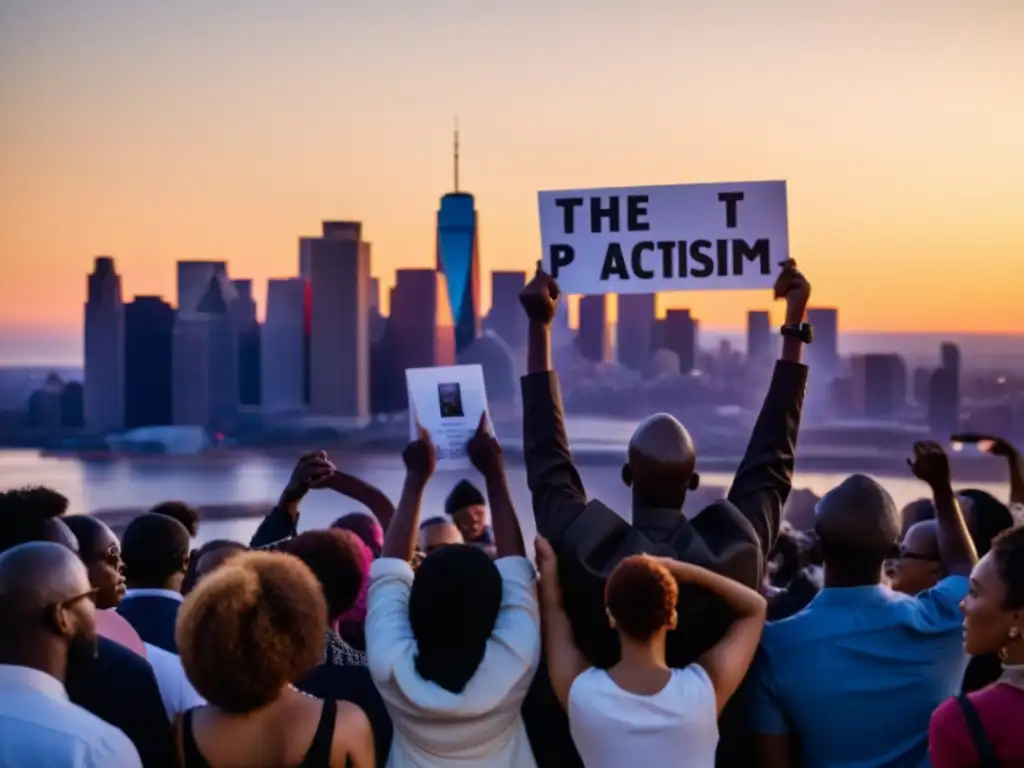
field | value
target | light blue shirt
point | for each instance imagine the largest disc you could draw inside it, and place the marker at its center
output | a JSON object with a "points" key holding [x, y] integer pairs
{"points": [[856, 675], [41, 728]]}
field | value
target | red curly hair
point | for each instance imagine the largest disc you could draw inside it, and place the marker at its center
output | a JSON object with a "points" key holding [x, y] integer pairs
{"points": [[641, 596]]}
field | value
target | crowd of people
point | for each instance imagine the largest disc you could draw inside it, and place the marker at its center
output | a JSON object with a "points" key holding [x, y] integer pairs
{"points": [[399, 637]]}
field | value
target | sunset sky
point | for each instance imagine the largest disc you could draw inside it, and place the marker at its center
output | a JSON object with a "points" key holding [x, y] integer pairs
{"points": [[152, 130]]}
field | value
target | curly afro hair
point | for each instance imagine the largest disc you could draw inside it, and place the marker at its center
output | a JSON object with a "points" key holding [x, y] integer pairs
{"points": [[641, 596], [1008, 552], [336, 558], [250, 628], [26, 513]]}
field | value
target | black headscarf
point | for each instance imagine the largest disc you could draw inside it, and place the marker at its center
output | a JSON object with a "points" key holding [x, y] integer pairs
{"points": [[453, 606]]}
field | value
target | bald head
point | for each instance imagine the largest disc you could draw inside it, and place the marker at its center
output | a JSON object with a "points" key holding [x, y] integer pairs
{"points": [[40, 574], [858, 516], [661, 459]]}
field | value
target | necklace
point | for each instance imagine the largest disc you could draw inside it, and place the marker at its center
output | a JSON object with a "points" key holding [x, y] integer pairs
{"points": [[307, 695], [1013, 674]]}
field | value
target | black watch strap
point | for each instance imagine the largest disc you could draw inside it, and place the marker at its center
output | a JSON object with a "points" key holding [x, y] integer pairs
{"points": [[803, 331]]}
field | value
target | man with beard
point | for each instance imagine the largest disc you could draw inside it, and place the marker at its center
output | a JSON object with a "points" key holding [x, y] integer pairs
{"points": [[49, 619], [116, 685]]}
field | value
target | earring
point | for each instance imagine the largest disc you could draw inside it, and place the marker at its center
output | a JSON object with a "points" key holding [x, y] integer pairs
{"points": [[1014, 633]]}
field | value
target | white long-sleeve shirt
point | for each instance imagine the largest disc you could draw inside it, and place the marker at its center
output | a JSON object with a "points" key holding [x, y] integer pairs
{"points": [[433, 727]]}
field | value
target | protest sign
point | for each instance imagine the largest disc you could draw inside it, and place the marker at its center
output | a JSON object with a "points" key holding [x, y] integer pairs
{"points": [[447, 401], [681, 237]]}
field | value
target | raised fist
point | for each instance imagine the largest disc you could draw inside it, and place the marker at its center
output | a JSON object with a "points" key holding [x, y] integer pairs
{"points": [[539, 297], [930, 464], [484, 450], [792, 286]]}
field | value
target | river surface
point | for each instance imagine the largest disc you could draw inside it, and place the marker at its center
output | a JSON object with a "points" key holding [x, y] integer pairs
{"points": [[253, 479]]}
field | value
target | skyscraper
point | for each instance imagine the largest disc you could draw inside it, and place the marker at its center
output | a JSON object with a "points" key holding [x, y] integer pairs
{"points": [[634, 332], [243, 310], [759, 336], [339, 344], [823, 354], [593, 340], [282, 347], [194, 281], [377, 321], [944, 393], [680, 335], [458, 258], [421, 328], [205, 354], [148, 355], [506, 317], [879, 386], [104, 349]]}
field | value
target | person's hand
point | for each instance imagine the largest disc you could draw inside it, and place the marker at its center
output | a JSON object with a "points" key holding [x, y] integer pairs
{"points": [[930, 464], [539, 297], [792, 286], [997, 446], [312, 469], [420, 456], [484, 450]]}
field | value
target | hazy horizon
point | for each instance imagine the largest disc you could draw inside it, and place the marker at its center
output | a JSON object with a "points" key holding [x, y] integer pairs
{"points": [[63, 348]]}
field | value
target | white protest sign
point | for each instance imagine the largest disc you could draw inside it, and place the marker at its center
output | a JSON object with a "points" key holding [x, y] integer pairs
{"points": [[447, 401], [680, 237]]}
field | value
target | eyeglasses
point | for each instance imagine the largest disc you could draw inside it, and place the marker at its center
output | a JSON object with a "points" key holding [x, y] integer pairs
{"points": [[70, 601]]}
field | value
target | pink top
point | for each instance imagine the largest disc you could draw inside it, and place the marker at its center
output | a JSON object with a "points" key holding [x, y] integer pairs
{"points": [[1001, 709], [114, 626]]}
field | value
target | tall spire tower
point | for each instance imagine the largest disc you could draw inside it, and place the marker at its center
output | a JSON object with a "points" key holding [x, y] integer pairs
{"points": [[458, 257], [456, 152]]}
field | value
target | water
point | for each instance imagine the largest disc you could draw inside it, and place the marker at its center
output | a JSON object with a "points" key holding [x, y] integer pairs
{"points": [[142, 482]]}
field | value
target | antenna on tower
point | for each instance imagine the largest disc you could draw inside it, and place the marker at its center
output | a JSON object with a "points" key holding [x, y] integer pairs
{"points": [[456, 148]]}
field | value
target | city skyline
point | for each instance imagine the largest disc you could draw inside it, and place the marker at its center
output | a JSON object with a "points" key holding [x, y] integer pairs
{"points": [[902, 156]]}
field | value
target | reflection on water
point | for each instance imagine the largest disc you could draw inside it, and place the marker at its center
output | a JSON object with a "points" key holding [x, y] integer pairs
{"points": [[142, 482]]}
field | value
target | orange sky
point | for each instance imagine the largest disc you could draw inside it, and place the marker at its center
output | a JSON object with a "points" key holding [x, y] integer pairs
{"points": [[158, 131]]}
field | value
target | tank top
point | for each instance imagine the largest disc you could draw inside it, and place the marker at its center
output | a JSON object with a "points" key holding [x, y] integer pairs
{"points": [[317, 756]]}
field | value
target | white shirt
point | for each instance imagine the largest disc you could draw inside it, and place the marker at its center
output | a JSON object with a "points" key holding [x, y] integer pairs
{"points": [[613, 728], [175, 688], [41, 728], [435, 728]]}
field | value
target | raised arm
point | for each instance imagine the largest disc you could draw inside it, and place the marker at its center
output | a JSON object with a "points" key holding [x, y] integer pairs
{"points": [[727, 661], [997, 446], [558, 494], [484, 451], [765, 475], [565, 661], [956, 548], [420, 458], [370, 496], [283, 520]]}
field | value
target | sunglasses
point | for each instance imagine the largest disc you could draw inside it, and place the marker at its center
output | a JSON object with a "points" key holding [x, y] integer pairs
{"points": [[70, 601], [111, 557]]}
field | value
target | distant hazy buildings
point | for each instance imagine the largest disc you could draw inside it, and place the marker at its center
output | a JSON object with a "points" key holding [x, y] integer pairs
{"points": [[944, 393], [243, 310], [879, 386], [759, 336], [339, 345], [104, 349], [148, 357], [593, 341], [205, 348], [679, 334], [377, 320], [635, 330], [823, 353], [506, 317], [421, 331], [282, 347]]}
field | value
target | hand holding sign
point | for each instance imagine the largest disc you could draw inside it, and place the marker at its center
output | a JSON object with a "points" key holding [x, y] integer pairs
{"points": [[484, 450], [420, 456], [539, 297], [792, 286]]}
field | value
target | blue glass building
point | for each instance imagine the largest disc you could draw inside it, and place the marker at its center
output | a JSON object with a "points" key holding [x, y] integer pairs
{"points": [[459, 261]]}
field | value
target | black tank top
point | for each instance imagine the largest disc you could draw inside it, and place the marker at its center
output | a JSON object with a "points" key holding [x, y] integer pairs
{"points": [[318, 755]]}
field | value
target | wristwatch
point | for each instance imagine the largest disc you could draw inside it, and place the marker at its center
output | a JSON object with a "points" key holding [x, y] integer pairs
{"points": [[803, 331]]}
